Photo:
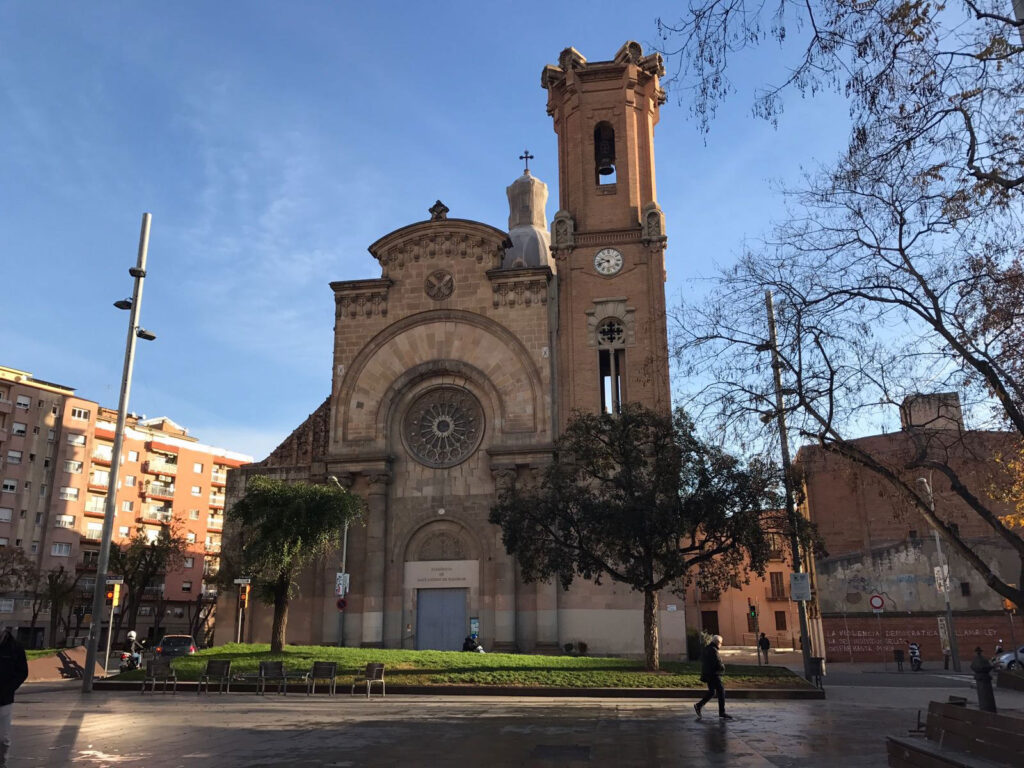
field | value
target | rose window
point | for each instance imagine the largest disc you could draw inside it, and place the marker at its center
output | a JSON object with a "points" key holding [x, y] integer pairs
{"points": [[443, 427], [611, 333]]}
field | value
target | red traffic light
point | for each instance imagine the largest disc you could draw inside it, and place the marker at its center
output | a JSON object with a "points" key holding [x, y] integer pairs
{"points": [[110, 597]]}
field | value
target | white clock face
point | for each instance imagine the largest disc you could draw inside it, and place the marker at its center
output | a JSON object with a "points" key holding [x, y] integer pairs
{"points": [[607, 261]]}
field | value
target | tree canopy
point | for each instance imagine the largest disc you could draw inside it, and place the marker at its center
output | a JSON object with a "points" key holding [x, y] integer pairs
{"points": [[897, 269], [639, 499], [282, 527]]}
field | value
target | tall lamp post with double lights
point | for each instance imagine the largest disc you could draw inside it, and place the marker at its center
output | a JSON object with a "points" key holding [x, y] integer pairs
{"points": [[138, 272], [791, 513], [926, 487]]}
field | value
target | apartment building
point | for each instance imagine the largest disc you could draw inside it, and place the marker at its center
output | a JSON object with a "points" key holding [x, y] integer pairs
{"points": [[56, 452]]}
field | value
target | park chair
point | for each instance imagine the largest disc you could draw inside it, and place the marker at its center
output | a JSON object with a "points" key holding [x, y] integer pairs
{"points": [[322, 670], [374, 673], [160, 669], [218, 670], [271, 670]]}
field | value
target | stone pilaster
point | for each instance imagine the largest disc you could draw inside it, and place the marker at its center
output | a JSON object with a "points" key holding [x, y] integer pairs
{"points": [[376, 559]]}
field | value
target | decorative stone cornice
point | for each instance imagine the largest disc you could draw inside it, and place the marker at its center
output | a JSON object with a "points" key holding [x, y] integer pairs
{"points": [[520, 287], [361, 298], [441, 240]]}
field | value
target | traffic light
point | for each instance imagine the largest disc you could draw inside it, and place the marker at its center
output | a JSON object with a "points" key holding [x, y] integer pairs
{"points": [[110, 595], [752, 609], [243, 595]]}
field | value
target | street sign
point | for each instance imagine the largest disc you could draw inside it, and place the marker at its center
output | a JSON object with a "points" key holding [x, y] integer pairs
{"points": [[800, 587], [342, 603], [341, 581], [943, 634], [115, 581], [877, 603], [241, 581]]}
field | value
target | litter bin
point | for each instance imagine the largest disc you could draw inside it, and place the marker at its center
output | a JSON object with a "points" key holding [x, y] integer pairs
{"points": [[817, 670]]}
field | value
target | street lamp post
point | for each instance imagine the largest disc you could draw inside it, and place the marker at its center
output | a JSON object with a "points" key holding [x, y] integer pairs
{"points": [[791, 512], [344, 559], [138, 272], [954, 651]]}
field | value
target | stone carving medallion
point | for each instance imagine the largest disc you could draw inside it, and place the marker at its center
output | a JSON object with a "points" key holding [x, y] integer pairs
{"points": [[443, 427], [439, 285]]}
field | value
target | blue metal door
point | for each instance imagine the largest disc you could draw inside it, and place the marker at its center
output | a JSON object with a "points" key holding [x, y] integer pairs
{"points": [[440, 619]]}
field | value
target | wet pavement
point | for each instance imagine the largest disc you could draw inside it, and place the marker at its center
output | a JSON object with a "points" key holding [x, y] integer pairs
{"points": [[56, 725]]}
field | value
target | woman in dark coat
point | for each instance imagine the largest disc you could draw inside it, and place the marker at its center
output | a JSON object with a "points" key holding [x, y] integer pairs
{"points": [[711, 669]]}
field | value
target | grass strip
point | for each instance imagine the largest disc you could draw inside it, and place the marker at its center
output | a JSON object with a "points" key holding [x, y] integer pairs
{"points": [[441, 668]]}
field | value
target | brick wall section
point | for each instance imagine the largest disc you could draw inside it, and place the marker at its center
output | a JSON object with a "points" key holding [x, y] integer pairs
{"points": [[869, 638]]}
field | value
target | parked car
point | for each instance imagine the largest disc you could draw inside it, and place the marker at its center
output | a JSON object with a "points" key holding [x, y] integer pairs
{"points": [[176, 645], [1007, 660]]}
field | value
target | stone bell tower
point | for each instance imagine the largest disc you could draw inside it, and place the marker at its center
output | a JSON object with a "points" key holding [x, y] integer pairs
{"points": [[608, 237]]}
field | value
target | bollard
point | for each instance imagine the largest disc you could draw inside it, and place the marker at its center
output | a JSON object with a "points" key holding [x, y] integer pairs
{"points": [[983, 678]]}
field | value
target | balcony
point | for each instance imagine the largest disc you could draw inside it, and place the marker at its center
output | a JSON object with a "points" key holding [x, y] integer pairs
{"points": [[101, 456], [155, 517], [776, 554], [96, 510], [215, 523], [216, 501], [777, 593], [97, 485], [219, 478], [6, 406], [160, 467], [710, 597], [64, 521], [212, 546], [158, 490]]}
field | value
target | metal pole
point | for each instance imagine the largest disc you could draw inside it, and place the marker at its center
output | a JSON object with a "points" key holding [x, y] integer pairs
{"points": [[791, 512], [953, 650], [238, 629], [110, 635], [99, 591], [344, 561]]}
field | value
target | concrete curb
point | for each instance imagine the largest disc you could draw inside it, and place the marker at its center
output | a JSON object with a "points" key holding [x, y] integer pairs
{"points": [[496, 690]]}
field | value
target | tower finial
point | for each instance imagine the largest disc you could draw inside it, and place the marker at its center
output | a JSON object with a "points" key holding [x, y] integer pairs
{"points": [[526, 156]]}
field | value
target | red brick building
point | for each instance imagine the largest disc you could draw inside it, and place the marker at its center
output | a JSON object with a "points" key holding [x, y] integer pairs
{"points": [[55, 458]]}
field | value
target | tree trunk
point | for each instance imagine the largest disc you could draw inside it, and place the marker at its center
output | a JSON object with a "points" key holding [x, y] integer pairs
{"points": [[277, 634], [651, 654]]}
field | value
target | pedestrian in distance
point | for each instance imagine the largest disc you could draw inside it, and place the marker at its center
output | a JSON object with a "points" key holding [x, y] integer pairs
{"points": [[13, 671], [711, 669], [763, 644]]}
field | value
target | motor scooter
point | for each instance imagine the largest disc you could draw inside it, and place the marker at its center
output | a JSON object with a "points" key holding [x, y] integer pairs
{"points": [[130, 661]]}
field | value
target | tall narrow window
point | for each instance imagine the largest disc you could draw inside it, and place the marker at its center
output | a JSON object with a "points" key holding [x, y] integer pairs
{"points": [[611, 337], [604, 153]]}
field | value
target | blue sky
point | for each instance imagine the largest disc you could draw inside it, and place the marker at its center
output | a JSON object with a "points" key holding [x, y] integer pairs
{"points": [[273, 142]]}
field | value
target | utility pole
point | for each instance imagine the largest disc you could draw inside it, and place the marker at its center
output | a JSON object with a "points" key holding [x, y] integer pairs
{"points": [[344, 560], [134, 331], [791, 513], [953, 650]]}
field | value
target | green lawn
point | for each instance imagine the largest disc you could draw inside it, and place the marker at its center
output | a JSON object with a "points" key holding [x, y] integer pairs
{"points": [[38, 654], [460, 668]]}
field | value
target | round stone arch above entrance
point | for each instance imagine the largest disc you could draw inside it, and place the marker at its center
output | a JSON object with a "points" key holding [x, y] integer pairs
{"points": [[441, 585]]}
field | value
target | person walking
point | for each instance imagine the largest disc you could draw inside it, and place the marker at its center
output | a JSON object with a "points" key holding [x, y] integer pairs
{"points": [[13, 671], [711, 669], [763, 644]]}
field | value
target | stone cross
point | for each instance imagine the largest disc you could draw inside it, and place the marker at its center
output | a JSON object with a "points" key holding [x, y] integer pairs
{"points": [[527, 157]]}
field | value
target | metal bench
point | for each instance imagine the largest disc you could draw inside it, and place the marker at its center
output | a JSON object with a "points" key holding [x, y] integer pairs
{"points": [[958, 737], [219, 670], [374, 673], [271, 671], [322, 670], [160, 669]]}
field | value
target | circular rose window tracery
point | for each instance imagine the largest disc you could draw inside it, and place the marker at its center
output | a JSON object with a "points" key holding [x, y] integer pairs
{"points": [[443, 427]]}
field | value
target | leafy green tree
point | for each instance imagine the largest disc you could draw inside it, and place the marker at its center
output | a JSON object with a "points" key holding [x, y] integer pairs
{"points": [[639, 499], [283, 527], [142, 562]]}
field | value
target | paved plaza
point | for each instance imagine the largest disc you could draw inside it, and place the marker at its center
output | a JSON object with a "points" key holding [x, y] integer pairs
{"points": [[56, 725]]}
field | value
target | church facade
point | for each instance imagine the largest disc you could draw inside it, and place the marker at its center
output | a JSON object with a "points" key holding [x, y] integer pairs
{"points": [[453, 373]]}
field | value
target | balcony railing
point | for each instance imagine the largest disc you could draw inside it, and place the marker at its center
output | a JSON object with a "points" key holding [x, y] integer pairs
{"points": [[160, 517], [158, 490], [103, 457], [215, 523], [219, 478], [213, 546], [160, 467], [217, 500], [64, 522], [779, 593]]}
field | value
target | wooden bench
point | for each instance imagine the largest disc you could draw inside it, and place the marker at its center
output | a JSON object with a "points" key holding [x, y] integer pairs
{"points": [[160, 669], [960, 737]]}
